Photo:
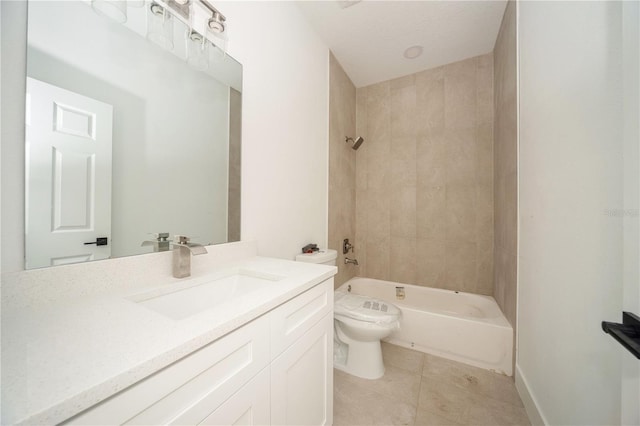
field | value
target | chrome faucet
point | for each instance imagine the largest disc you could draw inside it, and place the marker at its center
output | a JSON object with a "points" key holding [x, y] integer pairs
{"points": [[161, 242], [353, 261], [182, 251]]}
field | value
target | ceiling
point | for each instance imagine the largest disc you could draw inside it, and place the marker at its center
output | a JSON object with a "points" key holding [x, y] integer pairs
{"points": [[369, 37]]}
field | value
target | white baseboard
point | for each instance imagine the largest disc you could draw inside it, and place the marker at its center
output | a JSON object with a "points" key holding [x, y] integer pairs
{"points": [[530, 404]]}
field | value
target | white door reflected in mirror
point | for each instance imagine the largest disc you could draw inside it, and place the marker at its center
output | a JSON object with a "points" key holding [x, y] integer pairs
{"points": [[68, 191]]}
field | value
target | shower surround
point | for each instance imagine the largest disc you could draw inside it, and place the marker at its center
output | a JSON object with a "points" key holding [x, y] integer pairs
{"points": [[424, 178], [342, 167], [505, 166]]}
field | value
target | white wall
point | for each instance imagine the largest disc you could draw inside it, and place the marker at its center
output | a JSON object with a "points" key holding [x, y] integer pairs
{"points": [[285, 113], [570, 168], [284, 129], [1, 118], [12, 95]]}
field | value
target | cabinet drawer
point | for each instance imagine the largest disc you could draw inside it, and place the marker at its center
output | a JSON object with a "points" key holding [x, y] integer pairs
{"points": [[191, 388], [292, 319]]}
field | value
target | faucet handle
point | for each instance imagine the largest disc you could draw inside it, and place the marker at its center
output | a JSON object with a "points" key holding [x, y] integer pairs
{"points": [[181, 239], [160, 242], [184, 241], [160, 236]]}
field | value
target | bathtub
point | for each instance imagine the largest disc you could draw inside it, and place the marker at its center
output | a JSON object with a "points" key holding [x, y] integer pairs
{"points": [[464, 327]]}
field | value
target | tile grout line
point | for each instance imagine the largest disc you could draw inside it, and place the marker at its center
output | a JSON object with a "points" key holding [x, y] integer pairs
{"points": [[415, 414]]}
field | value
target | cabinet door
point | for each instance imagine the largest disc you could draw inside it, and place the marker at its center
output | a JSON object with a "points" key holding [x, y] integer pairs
{"points": [[248, 406], [292, 319], [302, 379]]}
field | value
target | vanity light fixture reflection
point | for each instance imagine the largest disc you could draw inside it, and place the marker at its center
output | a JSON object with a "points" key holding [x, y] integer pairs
{"points": [[199, 14], [217, 31], [197, 50], [216, 23], [112, 9], [160, 26], [218, 43]]}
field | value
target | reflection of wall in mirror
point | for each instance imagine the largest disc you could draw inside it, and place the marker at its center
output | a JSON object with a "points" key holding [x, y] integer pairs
{"points": [[170, 123]]}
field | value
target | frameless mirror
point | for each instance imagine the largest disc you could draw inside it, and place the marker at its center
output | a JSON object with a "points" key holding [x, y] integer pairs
{"points": [[126, 139]]}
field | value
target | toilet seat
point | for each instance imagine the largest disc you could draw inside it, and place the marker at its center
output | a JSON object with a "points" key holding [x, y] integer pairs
{"points": [[366, 309]]}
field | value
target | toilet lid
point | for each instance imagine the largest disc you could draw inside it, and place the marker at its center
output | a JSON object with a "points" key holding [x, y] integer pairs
{"points": [[365, 308]]}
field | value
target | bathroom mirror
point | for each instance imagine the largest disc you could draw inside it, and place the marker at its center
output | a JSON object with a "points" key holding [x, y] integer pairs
{"points": [[125, 139]]}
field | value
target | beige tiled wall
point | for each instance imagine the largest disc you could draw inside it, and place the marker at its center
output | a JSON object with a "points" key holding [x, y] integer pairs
{"points": [[342, 166], [505, 159], [424, 177]]}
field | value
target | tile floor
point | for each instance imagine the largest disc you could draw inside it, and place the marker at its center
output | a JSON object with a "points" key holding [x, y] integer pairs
{"points": [[421, 389]]}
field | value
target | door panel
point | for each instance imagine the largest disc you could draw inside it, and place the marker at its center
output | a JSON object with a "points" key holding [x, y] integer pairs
{"points": [[578, 117], [68, 182], [631, 195], [74, 121], [73, 190]]}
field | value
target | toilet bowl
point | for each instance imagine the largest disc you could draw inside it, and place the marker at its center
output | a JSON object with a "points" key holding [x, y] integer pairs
{"points": [[360, 323]]}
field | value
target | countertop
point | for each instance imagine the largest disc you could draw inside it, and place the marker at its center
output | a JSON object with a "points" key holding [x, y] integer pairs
{"points": [[68, 353]]}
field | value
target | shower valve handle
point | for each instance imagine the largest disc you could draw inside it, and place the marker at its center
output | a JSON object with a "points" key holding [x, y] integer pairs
{"points": [[346, 246]]}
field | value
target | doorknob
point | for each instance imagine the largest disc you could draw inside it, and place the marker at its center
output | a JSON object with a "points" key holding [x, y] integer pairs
{"points": [[627, 333], [100, 241]]}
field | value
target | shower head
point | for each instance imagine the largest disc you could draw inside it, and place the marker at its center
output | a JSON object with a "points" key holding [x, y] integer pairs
{"points": [[356, 143]]}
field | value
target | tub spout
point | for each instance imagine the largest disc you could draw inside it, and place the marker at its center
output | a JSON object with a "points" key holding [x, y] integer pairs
{"points": [[353, 261]]}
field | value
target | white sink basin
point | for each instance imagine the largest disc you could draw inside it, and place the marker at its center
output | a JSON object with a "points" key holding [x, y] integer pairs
{"points": [[185, 302]]}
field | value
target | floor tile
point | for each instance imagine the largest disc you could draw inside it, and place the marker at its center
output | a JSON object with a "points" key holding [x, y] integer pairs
{"points": [[434, 365], [406, 359], [428, 418], [503, 388], [396, 383], [422, 389], [355, 404], [445, 399], [474, 379], [488, 411]]}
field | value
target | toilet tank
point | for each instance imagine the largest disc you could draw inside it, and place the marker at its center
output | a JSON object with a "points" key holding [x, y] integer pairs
{"points": [[323, 257]]}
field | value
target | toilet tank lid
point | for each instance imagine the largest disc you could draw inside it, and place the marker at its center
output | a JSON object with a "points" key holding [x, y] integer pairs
{"points": [[321, 256], [365, 308]]}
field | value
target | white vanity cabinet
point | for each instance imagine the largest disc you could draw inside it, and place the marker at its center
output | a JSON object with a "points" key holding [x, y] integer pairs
{"points": [[302, 368], [277, 369], [249, 406]]}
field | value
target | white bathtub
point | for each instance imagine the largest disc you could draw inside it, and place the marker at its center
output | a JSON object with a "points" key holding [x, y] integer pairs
{"points": [[464, 327]]}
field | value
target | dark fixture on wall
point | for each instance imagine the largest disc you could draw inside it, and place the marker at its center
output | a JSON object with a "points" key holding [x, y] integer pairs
{"points": [[627, 333]]}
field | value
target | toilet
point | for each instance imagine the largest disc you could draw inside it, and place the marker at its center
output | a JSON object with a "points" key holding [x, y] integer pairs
{"points": [[360, 322]]}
